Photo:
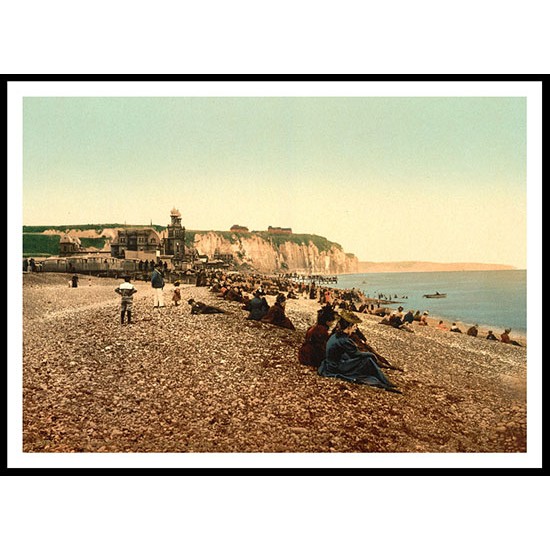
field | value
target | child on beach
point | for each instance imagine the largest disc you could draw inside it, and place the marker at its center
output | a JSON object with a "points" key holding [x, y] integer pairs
{"points": [[126, 291], [176, 294]]}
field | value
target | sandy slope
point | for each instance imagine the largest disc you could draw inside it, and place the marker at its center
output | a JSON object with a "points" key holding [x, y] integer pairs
{"points": [[174, 382]]}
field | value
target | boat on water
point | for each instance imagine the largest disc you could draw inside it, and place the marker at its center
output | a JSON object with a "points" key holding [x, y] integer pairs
{"points": [[436, 295]]}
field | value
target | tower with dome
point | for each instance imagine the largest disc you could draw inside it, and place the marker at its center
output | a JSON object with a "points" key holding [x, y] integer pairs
{"points": [[174, 242]]}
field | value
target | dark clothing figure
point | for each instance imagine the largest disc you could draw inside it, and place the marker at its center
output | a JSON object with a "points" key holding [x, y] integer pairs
{"points": [[234, 295], [198, 308], [258, 307], [472, 331], [409, 317], [395, 321], [344, 360], [74, 280], [313, 350], [157, 282], [505, 337], [491, 336], [276, 314], [201, 278]]}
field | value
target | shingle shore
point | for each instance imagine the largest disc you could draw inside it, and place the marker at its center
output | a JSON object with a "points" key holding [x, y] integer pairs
{"points": [[175, 382]]}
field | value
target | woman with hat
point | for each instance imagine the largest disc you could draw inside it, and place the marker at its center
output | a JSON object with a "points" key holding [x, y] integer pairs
{"points": [[344, 360]]}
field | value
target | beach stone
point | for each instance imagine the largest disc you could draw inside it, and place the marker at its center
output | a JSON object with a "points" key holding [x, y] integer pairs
{"points": [[164, 380]]}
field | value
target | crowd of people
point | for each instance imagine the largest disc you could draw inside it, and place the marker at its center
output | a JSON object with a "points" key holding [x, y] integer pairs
{"points": [[333, 345], [30, 265]]}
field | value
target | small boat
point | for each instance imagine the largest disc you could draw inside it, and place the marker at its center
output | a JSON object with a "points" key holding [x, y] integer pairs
{"points": [[436, 295]]}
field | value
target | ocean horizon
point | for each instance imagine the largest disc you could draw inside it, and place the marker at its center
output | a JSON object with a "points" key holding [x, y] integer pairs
{"points": [[493, 299]]}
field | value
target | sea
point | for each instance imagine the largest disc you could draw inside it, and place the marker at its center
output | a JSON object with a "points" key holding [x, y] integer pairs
{"points": [[492, 299]]}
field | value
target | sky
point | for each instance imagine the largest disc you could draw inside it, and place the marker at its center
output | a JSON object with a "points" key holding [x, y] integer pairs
{"points": [[389, 178]]}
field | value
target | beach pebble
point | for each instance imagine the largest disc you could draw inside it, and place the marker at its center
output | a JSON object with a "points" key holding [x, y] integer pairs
{"points": [[178, 383]]}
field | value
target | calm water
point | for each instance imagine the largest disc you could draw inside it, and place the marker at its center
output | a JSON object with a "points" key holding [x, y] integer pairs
{"points": [[490, 298]]}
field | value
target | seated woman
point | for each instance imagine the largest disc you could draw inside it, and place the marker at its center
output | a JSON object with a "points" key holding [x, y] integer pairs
{"points": [[344, 360], [408, 317], [234, 294], [396, 320], [454, 328], [258, 306], [424, 319], [505, 337], [313, 350], [276, 314], [386, 319]]}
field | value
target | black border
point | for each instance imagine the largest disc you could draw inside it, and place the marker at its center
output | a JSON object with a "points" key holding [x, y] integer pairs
{"points": [[262, 471]]}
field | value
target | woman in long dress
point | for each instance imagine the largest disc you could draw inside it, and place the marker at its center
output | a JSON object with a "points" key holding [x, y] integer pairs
{"points": [[344, 360], [313, 350], [276, 314]]}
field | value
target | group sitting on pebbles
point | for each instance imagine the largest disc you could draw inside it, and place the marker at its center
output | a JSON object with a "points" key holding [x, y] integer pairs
{"points": [[334, 345], [339, 353]]}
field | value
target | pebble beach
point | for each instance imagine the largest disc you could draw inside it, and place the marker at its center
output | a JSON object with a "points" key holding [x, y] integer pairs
{"points": [[173, 382]]}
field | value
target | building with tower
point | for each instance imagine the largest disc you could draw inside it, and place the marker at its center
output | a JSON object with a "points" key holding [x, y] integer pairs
{"points": [[174, 242], [136, 243], [145, 243]]}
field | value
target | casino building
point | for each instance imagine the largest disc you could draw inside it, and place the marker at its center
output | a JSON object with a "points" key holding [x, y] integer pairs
{"points": [[146, 243]]}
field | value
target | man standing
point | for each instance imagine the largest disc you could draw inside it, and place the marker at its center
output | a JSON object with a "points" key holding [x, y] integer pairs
{"points": [[157, 282]]}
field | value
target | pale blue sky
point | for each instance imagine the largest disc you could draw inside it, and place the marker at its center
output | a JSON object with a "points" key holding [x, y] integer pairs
{"points": [[389, 178]]}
